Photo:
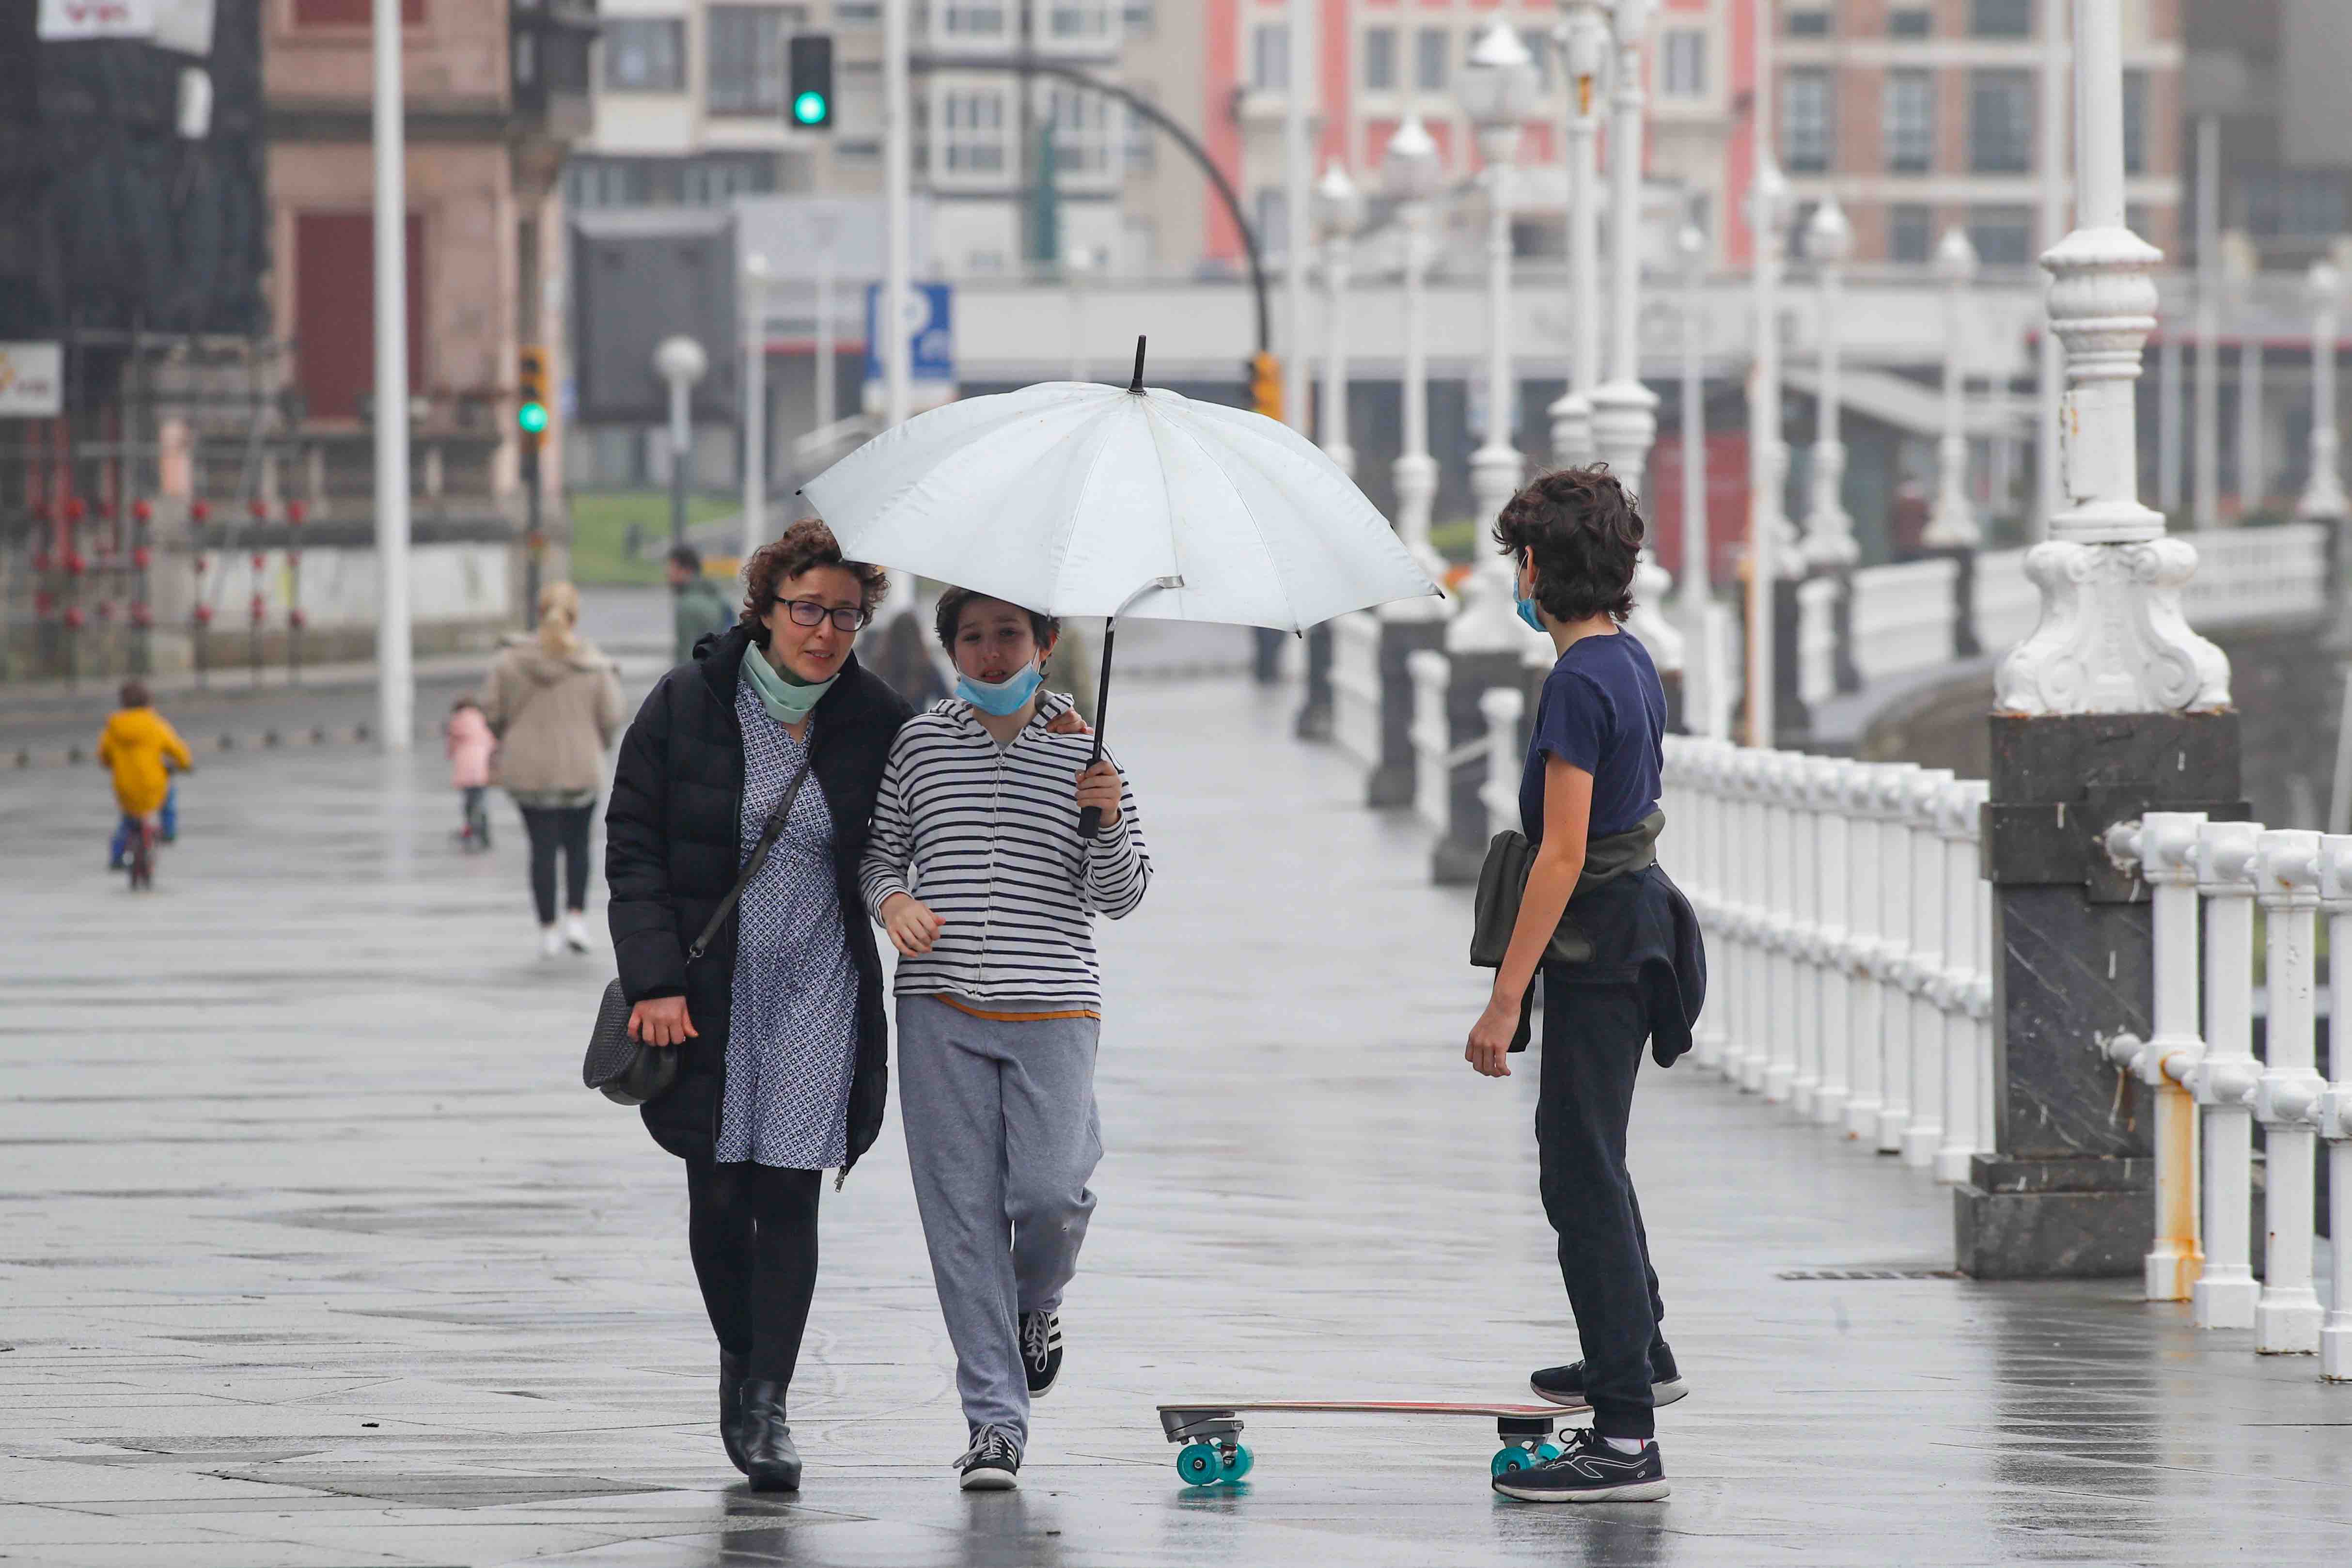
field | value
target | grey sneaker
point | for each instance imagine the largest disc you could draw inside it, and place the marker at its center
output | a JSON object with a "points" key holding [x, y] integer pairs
{"points": [[993, 1463]]}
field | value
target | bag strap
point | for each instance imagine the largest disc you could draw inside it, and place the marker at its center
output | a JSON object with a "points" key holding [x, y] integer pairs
{"points": [[768, 837]]}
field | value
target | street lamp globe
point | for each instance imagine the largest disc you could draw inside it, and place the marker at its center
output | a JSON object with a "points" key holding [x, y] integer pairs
{"points": [[1829, 237], [1410, 171], [1690, 245], [1498, 89], [1956, 259], [756, 270], [2323, 285], [1767, 200], [1339, 204], [679, 360]]}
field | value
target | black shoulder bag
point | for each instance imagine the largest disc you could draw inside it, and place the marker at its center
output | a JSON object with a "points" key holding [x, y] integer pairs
{"points": [[629, 1071]]}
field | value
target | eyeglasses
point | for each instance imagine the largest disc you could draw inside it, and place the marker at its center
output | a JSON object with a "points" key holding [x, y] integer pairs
{"points": [[808, 612]]}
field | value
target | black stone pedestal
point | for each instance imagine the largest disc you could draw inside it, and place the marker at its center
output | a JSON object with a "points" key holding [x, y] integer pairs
{"points": [[1392, 782], [2066, 1191], [1459, 854]]}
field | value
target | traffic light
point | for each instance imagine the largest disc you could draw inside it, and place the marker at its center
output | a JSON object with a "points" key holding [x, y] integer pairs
{"points": [[531, 404], [1266, 385], [808, 100]]}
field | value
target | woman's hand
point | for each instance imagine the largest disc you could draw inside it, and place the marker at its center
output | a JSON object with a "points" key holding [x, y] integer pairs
{"points": [[661, 1021], [1098, 787], [1068, 722], [1490, 1037], [912, 925]]}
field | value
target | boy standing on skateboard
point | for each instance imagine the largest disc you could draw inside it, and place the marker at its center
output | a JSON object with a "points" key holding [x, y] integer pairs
{"points": [[1617, 949]]}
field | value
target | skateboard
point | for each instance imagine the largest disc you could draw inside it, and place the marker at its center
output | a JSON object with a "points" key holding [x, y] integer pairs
{"points": [[1211, 1430]]}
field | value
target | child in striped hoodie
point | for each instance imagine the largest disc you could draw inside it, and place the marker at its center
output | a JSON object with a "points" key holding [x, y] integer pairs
{"points": [[999, 999]]}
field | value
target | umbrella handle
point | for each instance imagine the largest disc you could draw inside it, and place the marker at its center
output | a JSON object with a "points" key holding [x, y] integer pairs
{"points": [[1090, 817]]}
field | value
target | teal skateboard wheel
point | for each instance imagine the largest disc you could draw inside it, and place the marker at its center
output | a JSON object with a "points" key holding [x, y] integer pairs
{"points": [[1546, 1453], [1512, 1459], [1200, 1463], [1238, 1463]]}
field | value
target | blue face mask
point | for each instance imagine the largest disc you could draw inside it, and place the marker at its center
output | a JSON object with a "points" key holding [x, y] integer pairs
{"points": [[1527, 612], [1003, 697]]}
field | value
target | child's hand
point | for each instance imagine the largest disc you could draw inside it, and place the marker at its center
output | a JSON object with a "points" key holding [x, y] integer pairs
{"points": [[912, 924], [1490, 1038], [1098, 787]]}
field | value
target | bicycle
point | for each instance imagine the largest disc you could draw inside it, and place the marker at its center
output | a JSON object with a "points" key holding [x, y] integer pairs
{"points": [[141, 864]]}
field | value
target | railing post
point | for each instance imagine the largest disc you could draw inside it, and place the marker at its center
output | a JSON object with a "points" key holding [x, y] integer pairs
{"points": [[1473, 673], [1763, 983], [1835, 941], [1804, 935], [1779, 1039], [1925, 1127], [1865, 1015], [1431, 675], [1962, 807], [2226, 1078], [2287, 1320], [1740, 847], [1501, 706], [2335, 1105], [1894, 966]]}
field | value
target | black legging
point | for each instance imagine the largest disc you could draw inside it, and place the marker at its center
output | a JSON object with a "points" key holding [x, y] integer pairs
{"points": [[752, 1231], [551, 828]]}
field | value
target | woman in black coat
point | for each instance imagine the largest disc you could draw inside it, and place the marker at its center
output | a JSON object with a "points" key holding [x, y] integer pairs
{"points": [[702, 768]]}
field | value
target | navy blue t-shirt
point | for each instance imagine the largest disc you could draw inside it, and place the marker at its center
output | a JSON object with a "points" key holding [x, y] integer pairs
{"points": [[1602, 710]]}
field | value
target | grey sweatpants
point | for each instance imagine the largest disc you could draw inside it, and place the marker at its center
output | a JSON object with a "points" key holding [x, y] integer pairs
{"points": [[1001, 1135]]}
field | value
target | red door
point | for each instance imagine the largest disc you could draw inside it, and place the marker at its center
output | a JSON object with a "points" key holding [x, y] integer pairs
{"points": [[334, 308]]}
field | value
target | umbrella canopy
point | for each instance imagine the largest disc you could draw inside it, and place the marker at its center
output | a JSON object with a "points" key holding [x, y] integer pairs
{"points": [[1069, 497]]}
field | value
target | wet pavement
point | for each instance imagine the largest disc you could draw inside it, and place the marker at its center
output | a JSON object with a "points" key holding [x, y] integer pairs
{"points": [[314, 1253]]}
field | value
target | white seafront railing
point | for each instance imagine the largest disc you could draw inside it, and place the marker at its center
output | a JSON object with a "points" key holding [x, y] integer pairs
{"points": [[2211, 1088], [1355, 686], [1849, 938], [1902, 616]]}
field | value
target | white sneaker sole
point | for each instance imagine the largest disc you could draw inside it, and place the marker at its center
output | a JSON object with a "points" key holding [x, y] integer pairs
{"points": [[1632, 1492], [988, 1478], [1661, 1394]]}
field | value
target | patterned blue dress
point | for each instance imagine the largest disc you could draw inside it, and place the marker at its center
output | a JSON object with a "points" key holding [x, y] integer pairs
{"points": [[792, 1041]]}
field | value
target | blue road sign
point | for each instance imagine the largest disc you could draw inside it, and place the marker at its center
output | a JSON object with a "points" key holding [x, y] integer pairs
{"points": [[930, 329]]}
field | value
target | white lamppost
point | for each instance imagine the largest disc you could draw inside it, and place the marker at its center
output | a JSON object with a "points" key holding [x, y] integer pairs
{"points": [[1953, 523], [2243, 267], [1703, 705], [1297, 176], [825, 226], [2205, 415], [2323, 495], [1829, 530], [755, 402], [1412, 175], [395, 671], [1770, 555], [898, 202], [679, 360], [1584, 46], [1338, 213]]}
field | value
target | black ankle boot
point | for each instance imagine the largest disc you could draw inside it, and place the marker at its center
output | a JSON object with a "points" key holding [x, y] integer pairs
{"points": [[769, 1457], [731, 1408]]}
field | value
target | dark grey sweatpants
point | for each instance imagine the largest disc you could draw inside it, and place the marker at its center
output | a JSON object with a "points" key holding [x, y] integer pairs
{"points": [[1001, 1135]]}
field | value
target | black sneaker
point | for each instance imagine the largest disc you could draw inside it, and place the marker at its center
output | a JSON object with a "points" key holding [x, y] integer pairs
{"points": [[1590, 1471], [1565, 1384], [993, 1463], [1041, 1351]]}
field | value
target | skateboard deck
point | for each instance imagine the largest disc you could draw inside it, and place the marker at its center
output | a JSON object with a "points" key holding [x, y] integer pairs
{"points": [[1209, 1429]]}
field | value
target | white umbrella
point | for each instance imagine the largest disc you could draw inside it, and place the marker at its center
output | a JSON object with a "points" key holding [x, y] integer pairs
{"points": [[1078, 499]]}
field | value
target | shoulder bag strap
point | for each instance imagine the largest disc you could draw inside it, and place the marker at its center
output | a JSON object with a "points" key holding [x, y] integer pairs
{"points": [[768, 837]]}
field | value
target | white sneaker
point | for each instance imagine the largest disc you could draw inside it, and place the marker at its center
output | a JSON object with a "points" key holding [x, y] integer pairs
{"points": [[575, 933], [551, 943]]}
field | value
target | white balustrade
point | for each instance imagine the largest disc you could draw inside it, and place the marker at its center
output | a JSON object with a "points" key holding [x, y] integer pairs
{"points": [[1501, 706], [2250, 575], [1902, 617], [1922, 978], [2007, 605], [1968, 1033], [2334, 1114], [1832, 940], [1866, 1004], [2286, 870], [1817, 638], [2225, 1080], [1432, 673], [1778, 1065], [1355, 686], [1894, 957]]}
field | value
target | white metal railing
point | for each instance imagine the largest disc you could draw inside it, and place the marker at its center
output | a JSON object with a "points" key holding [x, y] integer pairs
{"points": [[1501, 706], [2007, 605], [2252, 575], [1432, 743], [1851, 935], [1355, 686], [1902, 616], [2211, 1088], [1817, 639]]}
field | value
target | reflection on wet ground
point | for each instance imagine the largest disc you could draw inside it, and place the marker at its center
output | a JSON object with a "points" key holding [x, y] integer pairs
{"points": [[316, 1254]]}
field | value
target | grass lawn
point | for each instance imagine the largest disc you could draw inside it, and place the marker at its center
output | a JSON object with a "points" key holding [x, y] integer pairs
{"points": [[600, 530]]}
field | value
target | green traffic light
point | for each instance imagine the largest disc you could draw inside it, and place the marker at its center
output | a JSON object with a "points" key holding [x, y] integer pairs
{"points": [[532, 417], [809, 109]]}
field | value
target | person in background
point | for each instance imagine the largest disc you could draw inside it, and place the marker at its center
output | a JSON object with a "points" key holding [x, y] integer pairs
{"points": [[555, 703], [139, 748], [701, 608], [467, 738]]}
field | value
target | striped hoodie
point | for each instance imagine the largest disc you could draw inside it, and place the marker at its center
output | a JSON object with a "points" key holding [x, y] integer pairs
{"points": [[990, 837]]}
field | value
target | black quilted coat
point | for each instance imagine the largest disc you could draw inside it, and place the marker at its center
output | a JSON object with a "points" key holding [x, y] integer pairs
{"points": [[671, 851]]}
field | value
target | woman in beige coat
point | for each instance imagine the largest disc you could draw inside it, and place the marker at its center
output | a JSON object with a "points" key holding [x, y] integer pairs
{"points": [[554, 702]]}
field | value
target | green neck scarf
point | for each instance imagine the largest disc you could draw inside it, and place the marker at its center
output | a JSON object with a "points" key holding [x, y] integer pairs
{"points": [[787, 697]]}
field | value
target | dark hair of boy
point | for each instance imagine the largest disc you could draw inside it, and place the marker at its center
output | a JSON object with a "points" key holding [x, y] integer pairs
{"points": [[950, 618], [1584, 532], [134, 694], [687, 559], [463, 702]]}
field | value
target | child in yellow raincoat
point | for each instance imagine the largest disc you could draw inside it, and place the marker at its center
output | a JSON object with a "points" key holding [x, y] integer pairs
{"points": [[139, 747]]}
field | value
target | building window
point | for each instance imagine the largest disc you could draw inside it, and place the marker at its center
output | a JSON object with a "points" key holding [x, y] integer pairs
{"points": [[747, 57], [1081, 122], [2001, 18], [1380, 60], [972, 131], [1909, 232], [1270, 56], [1140, 150], [1079, 21], [1433, 48], [1683, 63], [2304, 202], [1909, 124], [2000, 122], [1910, 24], [850, 14], [986, 20], [1808, 24], [644, 54], [703, 180], [2003, 235], [1137, 17], [1271, 214], [1805, 120], [2134, 122]]}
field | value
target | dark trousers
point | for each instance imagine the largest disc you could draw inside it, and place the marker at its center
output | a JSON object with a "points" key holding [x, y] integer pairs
{"points": [[1593, 1037], [551, 828], [478, 820], [751, 1229]]}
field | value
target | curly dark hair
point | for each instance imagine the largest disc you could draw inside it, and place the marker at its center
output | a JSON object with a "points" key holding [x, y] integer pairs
{"points": [[1042, 626], [806, 545], [1584, 532]]}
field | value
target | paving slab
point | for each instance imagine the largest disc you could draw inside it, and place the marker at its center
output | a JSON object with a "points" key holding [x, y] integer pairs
{"points": [[314, 1252]]}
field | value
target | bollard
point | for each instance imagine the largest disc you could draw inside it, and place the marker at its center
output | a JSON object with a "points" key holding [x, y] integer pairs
{"points": [[2226, 1078], [2286, 1319], [1924, 1129], [1431, 673], [1894, 957], [2335, 1110]]}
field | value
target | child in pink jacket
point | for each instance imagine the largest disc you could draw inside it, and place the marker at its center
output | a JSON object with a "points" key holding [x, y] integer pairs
{"points": [[469, 744]]}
